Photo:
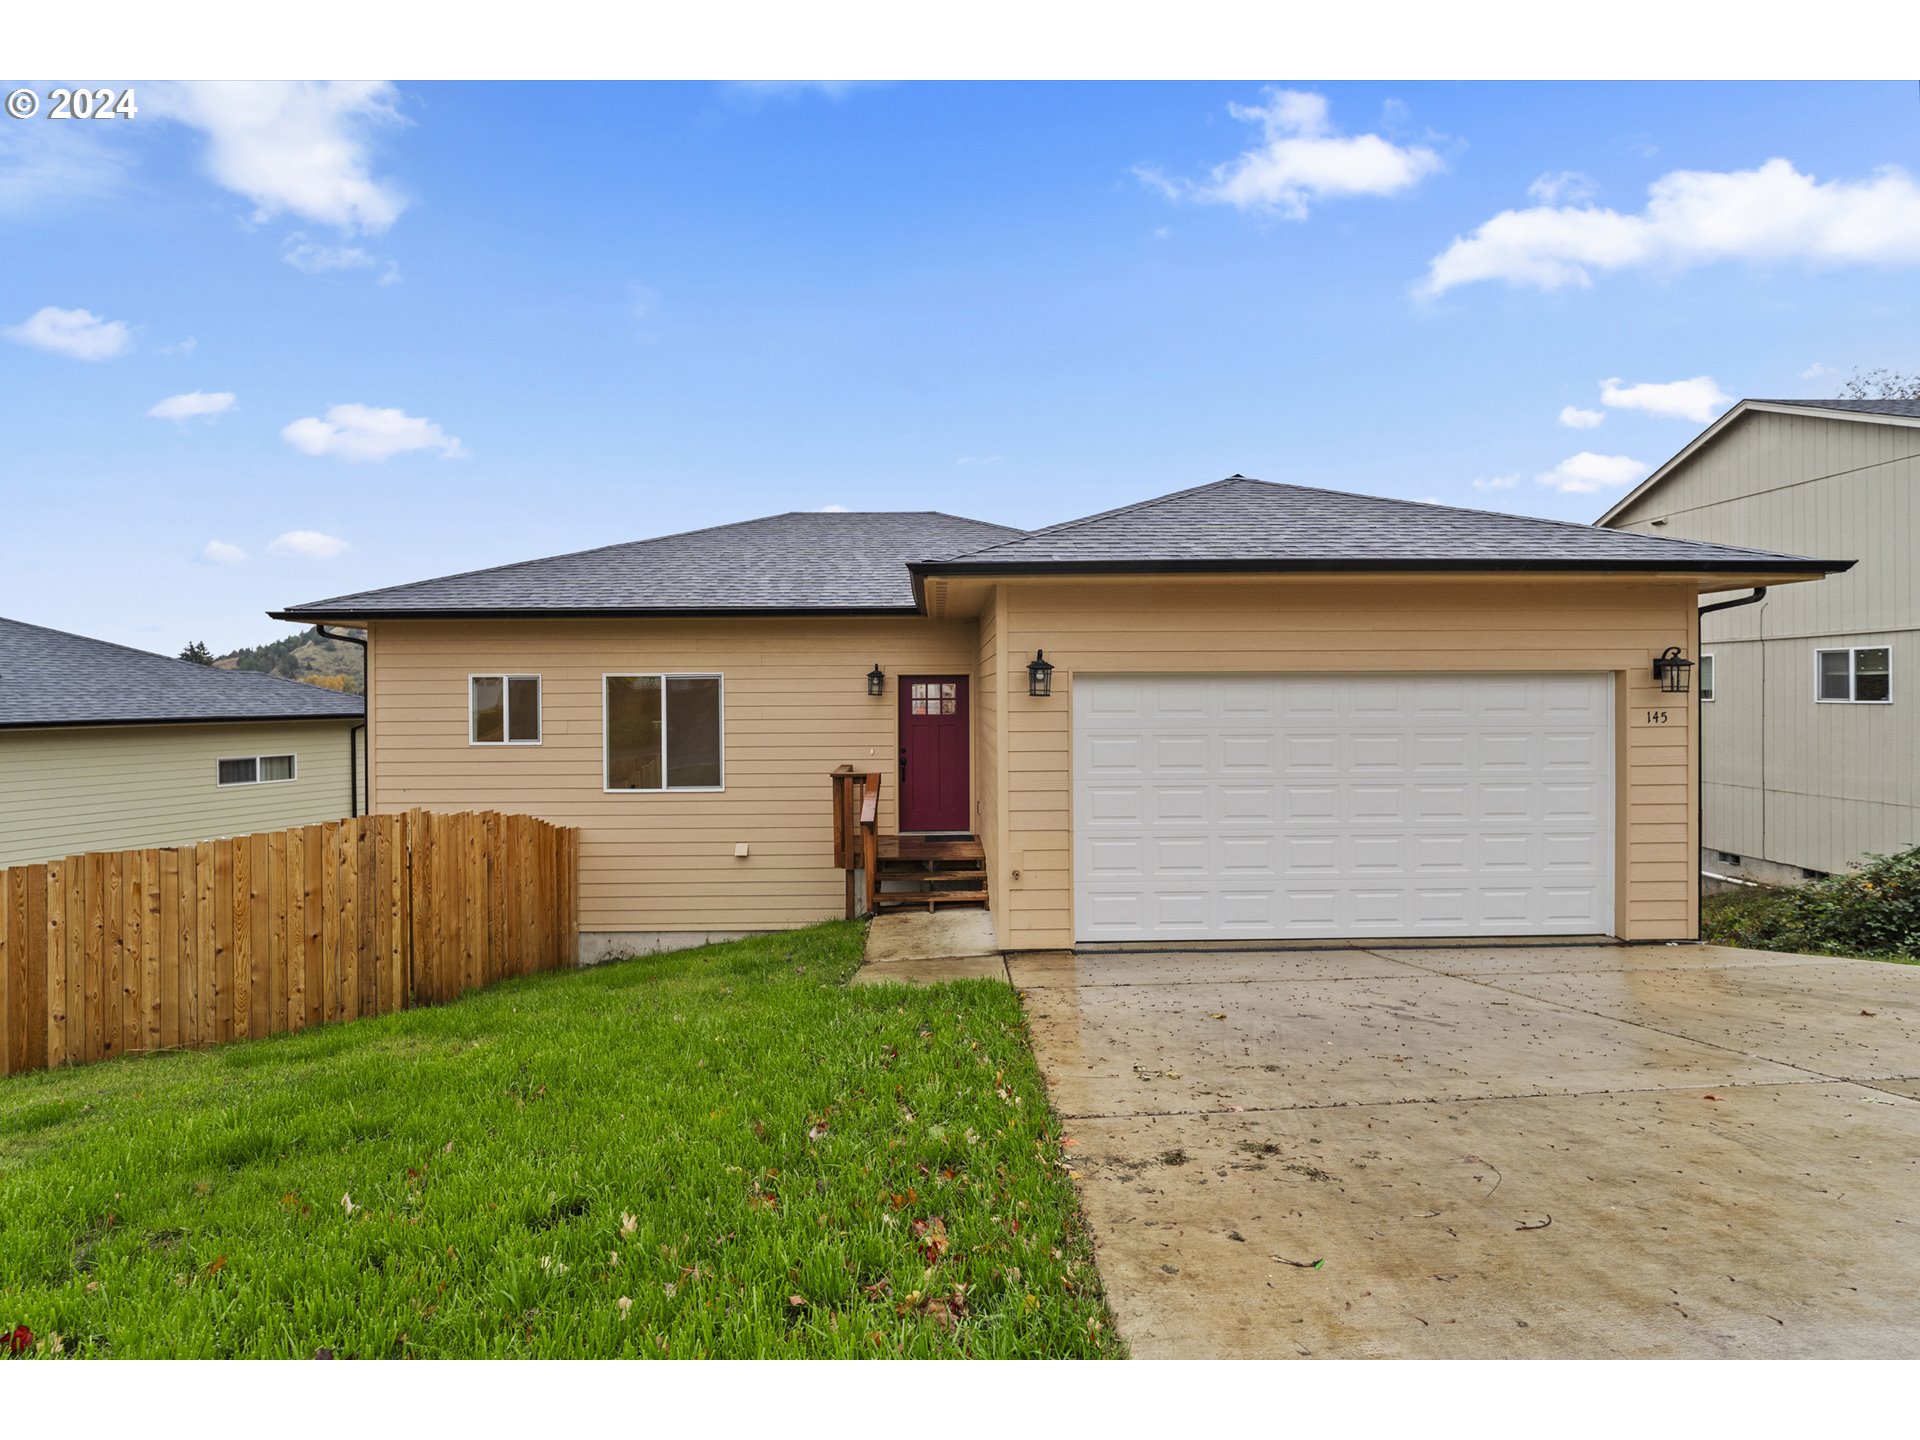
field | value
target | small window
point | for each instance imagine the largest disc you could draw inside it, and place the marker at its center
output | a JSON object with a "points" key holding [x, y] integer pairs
{"points": [[1862, 675], [504, 709], [256, 770], [1706, 677], [240, 772], [1727, 857], [664, 732]]}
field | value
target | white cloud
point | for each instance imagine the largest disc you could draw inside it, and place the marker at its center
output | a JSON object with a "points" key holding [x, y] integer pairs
{"points": [[1817, 371], [1590, 474], [1574, 418], [1698, 399], [183, 347], [1562, 187], [194, 402], [221, 553], [834, 510], [310, 257], [365, 432], [1497, 482], [43, 166], [80, 334], [1695, 217], [1301, 159], [307, 545], [301, 147], [756, 92]]}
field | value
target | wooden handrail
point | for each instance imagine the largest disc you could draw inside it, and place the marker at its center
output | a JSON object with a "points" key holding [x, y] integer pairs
{"points": [[856, 830]]}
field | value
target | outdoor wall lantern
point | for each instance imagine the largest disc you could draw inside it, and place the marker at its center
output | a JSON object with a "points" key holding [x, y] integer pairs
{"points": [[876, 680], [1671, 669], [1039, 674]]}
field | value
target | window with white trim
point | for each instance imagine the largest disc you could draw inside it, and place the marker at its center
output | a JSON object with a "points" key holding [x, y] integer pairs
{"points": [[503, 709], [1859, 675], [663, 732], [1706, 676], [255, 770]]}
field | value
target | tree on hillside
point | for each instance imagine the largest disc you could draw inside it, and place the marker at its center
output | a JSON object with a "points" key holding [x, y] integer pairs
{"points": [[197, 653], [1881, 384]]}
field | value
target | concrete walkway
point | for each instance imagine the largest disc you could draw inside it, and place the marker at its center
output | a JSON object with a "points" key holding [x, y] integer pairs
{"points": [[917, 948], [1539, 1151]]}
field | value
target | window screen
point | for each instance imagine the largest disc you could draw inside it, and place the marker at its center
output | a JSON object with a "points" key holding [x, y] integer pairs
{"points": [[523, 707], [1706, 677], [693, 732], [239, 772], [1836, 675], [276, 767]]}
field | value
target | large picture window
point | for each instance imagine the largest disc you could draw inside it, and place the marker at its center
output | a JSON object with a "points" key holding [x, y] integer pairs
{"points": [[1862, 676], [663, 732], [504, 709]]}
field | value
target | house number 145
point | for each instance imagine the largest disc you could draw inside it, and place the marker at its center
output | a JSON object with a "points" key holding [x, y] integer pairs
{"points": [[1656, 717]]}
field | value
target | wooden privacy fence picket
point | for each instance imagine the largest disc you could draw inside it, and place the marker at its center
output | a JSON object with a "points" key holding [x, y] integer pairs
{"points": [[115, 952]]}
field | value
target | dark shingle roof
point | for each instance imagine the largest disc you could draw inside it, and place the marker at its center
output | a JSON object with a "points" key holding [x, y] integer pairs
{"points": [[801, 561], [1245, 524], [1906, 409], [48, 677]]}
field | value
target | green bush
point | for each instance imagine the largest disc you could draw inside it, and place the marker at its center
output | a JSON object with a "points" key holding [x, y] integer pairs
{"points": [[1874, 909]]}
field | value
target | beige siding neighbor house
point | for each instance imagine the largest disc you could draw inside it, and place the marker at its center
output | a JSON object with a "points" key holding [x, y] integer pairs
{"points": [[107, 748], [1811, 746], [1242, 712]]}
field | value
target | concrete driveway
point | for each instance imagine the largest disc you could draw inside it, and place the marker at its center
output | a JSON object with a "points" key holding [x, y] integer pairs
{"points": [[1572, 1151]]}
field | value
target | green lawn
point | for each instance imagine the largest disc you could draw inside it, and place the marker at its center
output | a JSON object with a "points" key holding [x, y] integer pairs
{"points": [[721, 1153]]}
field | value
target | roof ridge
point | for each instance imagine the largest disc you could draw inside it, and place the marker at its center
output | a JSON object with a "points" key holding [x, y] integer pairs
{"points": [[512, 565], [1146, 504]]}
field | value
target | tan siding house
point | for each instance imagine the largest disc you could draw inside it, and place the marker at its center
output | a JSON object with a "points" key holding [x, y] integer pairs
{"points": [[1272, 714], [107, 748], [1797, 781]]}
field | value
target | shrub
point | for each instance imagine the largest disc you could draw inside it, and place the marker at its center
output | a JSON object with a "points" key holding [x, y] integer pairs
{"points": [[1874, 909]]}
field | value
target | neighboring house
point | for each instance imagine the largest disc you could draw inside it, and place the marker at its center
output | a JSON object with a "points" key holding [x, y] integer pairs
{"points": [[106, 748], [1274, 713], [1812, 733]]}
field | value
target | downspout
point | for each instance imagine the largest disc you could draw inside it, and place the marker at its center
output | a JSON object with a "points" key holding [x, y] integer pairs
{"points": [[353, 751], [1700, 748]]}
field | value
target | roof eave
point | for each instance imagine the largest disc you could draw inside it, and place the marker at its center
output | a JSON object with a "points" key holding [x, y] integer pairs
{"points": [[1350, 565], [355, 716], [337, 615]]}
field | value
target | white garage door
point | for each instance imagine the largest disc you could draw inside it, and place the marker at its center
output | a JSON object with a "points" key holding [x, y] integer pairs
{"points": [[1279, 807]]}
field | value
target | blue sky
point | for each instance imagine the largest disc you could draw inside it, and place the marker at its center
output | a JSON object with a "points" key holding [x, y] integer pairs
{"points": [[465, 324]]}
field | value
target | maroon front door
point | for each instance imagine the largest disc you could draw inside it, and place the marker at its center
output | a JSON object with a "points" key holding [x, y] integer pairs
{"points": [[933, 753]]}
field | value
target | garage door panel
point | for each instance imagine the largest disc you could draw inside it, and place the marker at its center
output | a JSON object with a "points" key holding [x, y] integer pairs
{"points": [[1285, 806]]}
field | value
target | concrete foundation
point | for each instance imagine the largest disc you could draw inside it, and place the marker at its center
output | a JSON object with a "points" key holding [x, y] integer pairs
{"points": [[600, 945]]}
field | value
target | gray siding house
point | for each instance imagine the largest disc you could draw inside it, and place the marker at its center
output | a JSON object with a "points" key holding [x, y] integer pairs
{"points": [[1810, 713], [107, 748]]}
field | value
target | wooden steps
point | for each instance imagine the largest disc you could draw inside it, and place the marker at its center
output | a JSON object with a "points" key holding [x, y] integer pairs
{"points": [[917, 870]]}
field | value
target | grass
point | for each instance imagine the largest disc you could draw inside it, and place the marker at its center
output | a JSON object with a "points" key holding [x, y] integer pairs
{"points": [[725, 1152]]}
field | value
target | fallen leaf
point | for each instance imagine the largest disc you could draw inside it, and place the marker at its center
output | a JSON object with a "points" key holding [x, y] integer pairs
{"points": [[346, 1204], [217, 1266]]}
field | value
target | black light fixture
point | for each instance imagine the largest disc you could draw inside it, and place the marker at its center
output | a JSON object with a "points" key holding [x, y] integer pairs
{"points": [[1671, 669], [876, 680], [1039, 675]]}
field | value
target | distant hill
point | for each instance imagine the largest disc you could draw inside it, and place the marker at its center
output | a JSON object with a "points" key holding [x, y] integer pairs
{"points": [[309, 657]]}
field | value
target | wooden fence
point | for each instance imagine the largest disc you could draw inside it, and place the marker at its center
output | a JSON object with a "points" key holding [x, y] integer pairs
{"points": [[115, 952]]}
